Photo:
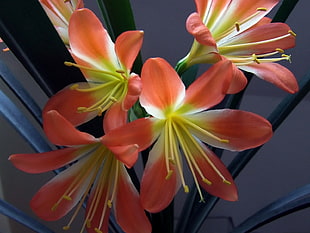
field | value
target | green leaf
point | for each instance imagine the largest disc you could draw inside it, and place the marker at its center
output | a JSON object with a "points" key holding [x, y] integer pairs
{"points": [[285, 10], [292, 202], [29, 34]]}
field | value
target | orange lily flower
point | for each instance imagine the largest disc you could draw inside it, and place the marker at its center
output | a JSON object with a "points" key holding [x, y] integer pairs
{"points": [[179, 122], [105, 66], [238, 31], [59, 12], [95, 170]]}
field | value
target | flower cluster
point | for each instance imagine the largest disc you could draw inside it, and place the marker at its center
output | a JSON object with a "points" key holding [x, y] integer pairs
{"points": [[180, 124]]}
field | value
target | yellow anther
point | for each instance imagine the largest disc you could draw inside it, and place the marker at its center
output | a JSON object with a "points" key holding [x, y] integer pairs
{"points": [[224, 140], [81, 109], [237, 25], [97, 230], [54, 207], [255, 58], [74, 86], [66, 0], [226, 182], [109, 203], [280, 50], [68, 198], [88, 224], [292, 33], [287, 57], [67, 63], [120, 71], [208, 182], [113, 99], [261, 9], [186, 189], [171, 160], [65, 228], [169, 174]]}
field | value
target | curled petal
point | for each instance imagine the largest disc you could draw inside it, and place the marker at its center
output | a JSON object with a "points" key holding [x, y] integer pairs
{"points": [[126, 200], [231, 129], [115, 117], [52, 201], [202, 34], [222, 184], [133, 92], [46, 161], [73, 100], [275, 74], [238, 81], [211, 87], [62, 132], [161, 87], [126, 154], [155, 181], [127, 47]]}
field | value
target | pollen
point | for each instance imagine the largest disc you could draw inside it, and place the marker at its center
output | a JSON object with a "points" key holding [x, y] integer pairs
{"points": [[168, 176], [292, 33], [237, 25], [109, 203], [279, 50], [68, 198], [97, 230], [208, 182], [65, 228], [255, 58], [262, 9], [226, 182], [186, 188]]}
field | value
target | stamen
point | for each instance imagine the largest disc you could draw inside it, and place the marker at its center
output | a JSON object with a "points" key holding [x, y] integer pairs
{"points": [[206, 181], [226, 182], [91, 69], [67, 198], [109, 203], [186, 189], [292, 33], [65, 228], [237, 25]]}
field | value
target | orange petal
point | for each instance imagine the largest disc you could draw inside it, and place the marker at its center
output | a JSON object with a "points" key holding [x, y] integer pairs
{"points": [[62, 132], [218, 187], [161, 86], [68, 100], [156, 191], [127, 47], [90, 43], [128, 209], [211, 87], [46, 161], [239, 130], [275, 74], [44, 203], [139, 133]]}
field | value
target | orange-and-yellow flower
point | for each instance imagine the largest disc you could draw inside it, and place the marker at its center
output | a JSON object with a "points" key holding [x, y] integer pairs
{"points": [[59, 12], [179, 127], [95, 171], [106, 67], [238, 31]]}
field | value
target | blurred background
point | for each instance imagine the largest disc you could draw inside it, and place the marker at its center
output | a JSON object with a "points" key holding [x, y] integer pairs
{"points": [[279, 167]]}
